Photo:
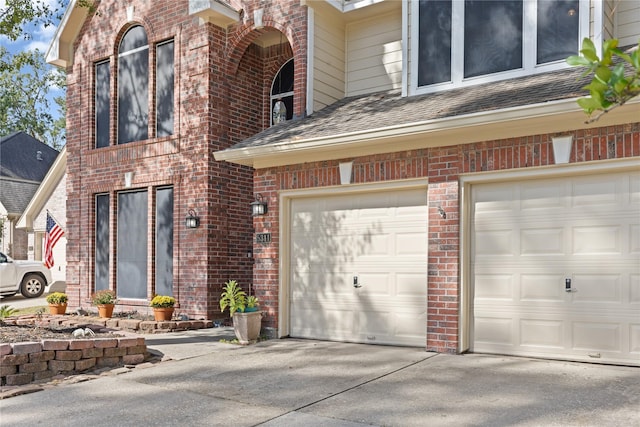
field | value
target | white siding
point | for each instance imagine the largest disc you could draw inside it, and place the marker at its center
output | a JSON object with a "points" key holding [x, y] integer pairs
{"points": [[374, 54], [608, 19], [329, 66], [628, 22]]}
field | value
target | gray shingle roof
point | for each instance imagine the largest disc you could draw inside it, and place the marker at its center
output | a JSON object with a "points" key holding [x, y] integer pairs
{"points": [[383, 109], [15, 195], [19, 157]]}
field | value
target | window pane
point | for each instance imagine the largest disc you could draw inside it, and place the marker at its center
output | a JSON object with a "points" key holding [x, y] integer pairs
{"points": [[283, 82], [434, 54], [103, 102], [102, 242], [132, 245], [133, 39], [557, 30], [164, 241], [492, 36], [133, 86], [164, 89]]}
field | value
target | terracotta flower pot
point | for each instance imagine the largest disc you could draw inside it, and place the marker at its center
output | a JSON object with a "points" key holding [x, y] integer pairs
{"points": [[163, 314], [105, 310], [58, 308]]}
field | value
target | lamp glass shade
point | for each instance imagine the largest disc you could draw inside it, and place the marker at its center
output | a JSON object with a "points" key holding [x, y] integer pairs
{"points": [[258, 208], [192, 222]]}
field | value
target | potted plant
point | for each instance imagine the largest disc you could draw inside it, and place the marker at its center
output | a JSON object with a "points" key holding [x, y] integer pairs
{"points": [[105, 300], [162, 307], [246, 323], [57, 302]]}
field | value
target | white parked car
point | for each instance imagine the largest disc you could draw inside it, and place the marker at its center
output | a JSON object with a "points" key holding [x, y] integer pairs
{"points": [[27, 277]]}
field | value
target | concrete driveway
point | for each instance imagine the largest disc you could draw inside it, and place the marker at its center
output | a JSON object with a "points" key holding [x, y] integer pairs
{"points": [[315, 383]]}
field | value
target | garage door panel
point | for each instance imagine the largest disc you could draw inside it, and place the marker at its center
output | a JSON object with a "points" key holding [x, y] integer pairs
{"points": [[596, 336], [534, 197], [586, 228], [411, 285], [542, 288], [494, 286], [597, 289], [493, 331], [542, 241], [379, 237], [542, 333], [634, 239], [597, 240], [634, 339], [594, 191], [494, 243], [634, 289]]}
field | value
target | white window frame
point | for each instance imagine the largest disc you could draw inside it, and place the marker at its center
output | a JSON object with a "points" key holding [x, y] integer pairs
{"points": [[529, 45]]}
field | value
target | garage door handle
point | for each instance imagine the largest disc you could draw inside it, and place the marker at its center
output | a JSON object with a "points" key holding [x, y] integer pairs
{"points": [[356, 283], [567, 285]]}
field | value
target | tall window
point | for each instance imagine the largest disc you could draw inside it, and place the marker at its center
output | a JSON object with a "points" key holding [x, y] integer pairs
{"points": [[102, 242], [133, 86], [102, 103], [132, 245], [164, 241], [282, 89], [164, 89], [460, 41]]}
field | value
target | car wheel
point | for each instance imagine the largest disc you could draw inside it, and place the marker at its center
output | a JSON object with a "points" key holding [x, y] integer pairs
{"points": [[32, 286]]}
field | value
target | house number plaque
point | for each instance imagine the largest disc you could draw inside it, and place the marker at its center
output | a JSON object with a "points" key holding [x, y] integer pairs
{"points": [[263, 237]]}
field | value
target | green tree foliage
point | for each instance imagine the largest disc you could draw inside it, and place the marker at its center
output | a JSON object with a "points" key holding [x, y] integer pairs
{"points": [[616, 76], [25, 82], [16, 13]]}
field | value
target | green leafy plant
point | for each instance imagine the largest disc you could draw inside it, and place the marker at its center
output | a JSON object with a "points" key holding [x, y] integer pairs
{"points": [[252, 301], [162, 301], [103, 297], [612, 85], [233, 297], [6, 311], [57, 298]]}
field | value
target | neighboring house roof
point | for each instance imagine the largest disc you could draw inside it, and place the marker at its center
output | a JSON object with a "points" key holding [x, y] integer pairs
{"points": [[44, 191], [24, 157], [384, 116], [16, 194]]}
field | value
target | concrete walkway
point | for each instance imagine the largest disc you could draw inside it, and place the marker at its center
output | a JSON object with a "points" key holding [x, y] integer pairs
{"points": [[290, 382]]}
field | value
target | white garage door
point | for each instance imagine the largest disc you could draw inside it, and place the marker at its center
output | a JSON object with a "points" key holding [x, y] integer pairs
{"points": [[528, 239], [378, 240]]}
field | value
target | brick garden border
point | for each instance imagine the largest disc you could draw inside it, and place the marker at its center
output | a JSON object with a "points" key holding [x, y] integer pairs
{"points": [[28, 362]]}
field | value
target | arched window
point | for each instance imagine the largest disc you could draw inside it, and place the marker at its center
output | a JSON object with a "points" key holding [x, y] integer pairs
{"points": [[133, 86], [282, 90]]}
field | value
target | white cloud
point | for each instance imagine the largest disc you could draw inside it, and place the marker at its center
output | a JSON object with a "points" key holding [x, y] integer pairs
{"points": [[41, 45]]}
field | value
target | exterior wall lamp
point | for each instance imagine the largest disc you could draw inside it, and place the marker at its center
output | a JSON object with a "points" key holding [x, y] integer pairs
{"points": [[258, 206], [192, 221]]}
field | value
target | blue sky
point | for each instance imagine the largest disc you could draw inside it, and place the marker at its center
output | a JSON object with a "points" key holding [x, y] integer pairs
{"points": [[40, 39]]}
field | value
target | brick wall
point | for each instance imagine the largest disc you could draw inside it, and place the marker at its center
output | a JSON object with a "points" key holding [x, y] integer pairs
{"points": [[219, 100], [442, 167]]}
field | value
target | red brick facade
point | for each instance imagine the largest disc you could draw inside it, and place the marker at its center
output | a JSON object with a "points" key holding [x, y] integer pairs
{"points": [[443, 167], [221, 96]]}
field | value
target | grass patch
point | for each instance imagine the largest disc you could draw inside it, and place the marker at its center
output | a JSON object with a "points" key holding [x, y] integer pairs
{"points": [[31, 310]]}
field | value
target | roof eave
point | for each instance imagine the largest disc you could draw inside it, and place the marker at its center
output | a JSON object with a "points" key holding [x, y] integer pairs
{"points": [[548, 117], [44, 191], [215, 12], [60, 52]]}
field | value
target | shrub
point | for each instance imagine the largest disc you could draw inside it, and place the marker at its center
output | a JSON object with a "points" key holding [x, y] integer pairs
{"points": [[106, 296], [57, 298], [162, 301]]}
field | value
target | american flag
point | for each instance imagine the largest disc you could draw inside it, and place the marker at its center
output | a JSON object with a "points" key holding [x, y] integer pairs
{"points": [[51, 237]]}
